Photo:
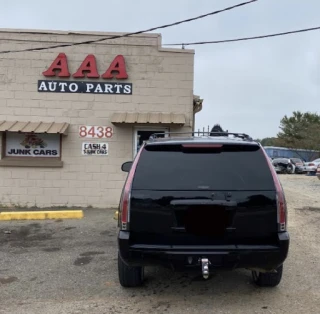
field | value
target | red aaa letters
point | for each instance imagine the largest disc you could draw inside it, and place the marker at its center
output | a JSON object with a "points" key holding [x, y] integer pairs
{"points": [[88, 68]]}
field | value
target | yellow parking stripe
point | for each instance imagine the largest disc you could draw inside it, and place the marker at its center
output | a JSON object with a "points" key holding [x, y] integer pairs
{"points": [[40, 215]]}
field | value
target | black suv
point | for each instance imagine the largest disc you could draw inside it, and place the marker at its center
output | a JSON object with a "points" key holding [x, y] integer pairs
{"points": [[202, 203]]}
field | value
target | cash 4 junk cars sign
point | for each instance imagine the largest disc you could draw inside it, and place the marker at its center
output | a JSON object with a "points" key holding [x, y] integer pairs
{"points": [[95, 149], [32, 145], [88, 69]]}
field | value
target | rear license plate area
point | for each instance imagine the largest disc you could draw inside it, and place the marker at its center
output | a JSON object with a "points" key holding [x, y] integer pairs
{"points": [[204, 220]]}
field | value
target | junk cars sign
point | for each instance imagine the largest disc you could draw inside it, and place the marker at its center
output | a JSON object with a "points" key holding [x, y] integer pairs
{"points": [[32, 145], [88, 69]]}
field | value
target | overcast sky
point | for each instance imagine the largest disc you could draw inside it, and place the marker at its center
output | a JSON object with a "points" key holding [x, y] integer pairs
{"points": [[246, 86]]}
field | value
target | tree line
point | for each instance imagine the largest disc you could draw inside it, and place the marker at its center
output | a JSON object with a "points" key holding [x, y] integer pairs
{"points": [[298, 131], [301, 130]]}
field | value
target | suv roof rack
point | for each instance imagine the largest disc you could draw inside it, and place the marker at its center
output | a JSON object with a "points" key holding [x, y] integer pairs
{"points": [[208, 134]]}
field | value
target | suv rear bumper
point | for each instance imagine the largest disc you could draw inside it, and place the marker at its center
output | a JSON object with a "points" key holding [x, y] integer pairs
{"points": [[266, 257]]}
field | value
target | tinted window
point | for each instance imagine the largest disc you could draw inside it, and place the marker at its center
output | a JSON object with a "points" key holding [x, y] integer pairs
{"points": [[171, 167], [282, 160], [296, 160]]}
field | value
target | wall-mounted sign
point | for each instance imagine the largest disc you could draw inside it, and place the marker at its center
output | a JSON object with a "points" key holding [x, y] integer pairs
{"points": [[32, 145], [88, 68], [88, 131], [84, 87], [95, 149]]}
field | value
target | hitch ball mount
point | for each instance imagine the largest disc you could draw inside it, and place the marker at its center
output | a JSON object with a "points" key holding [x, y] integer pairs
{"points": [[205, 267]]}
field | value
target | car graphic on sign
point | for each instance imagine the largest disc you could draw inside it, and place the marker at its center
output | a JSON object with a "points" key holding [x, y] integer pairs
{"points": [[33, 141]]}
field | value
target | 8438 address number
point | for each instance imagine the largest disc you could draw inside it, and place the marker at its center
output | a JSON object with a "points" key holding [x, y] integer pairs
{"points": [[88, 131]]}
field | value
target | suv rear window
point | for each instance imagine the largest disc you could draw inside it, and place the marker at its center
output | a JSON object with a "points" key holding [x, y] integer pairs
{"points": [[232, 167]]}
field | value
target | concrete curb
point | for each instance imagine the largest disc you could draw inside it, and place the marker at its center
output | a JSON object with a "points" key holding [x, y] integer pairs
{"points": [[41, 215]]}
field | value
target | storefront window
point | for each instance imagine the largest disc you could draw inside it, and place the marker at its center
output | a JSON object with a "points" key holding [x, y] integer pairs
{"points": [[24, 149], [144, 135]]}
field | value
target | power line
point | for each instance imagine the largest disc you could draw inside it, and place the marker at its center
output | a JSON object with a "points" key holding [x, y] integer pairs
{"points": [[245, 38], [134, 33]]}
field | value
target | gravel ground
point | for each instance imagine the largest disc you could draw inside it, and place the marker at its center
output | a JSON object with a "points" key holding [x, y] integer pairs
{"points": [[70, 267]]}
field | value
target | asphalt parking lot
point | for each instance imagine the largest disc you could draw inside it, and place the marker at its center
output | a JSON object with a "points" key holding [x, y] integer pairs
{"points": [[70, 266]]}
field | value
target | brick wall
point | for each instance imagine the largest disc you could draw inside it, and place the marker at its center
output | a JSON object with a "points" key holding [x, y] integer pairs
{"points": [[162, 81]]}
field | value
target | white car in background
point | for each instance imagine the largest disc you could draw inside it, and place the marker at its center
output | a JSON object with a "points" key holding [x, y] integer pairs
{"points": [[318, 172], [312, 166]]}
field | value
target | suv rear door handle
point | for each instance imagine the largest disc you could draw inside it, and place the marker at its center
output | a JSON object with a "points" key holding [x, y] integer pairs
{"points": [[204, 202]]}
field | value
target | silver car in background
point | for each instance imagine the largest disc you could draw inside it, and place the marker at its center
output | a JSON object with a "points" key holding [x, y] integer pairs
{"points": [[312, 166]]}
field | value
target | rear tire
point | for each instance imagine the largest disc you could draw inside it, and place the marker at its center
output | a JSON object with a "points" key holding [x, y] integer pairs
{"points": [[267, 279], [129, 276], [290, 169]]}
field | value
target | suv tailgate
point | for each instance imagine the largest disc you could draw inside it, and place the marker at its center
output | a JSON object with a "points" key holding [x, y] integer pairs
{"points": [[203, 195]]}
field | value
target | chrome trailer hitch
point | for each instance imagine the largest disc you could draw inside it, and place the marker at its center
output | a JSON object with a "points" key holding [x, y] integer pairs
{"points": [[205, 267]]}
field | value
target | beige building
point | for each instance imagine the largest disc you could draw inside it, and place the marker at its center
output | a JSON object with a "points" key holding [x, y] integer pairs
{"points": [[70, 116]]}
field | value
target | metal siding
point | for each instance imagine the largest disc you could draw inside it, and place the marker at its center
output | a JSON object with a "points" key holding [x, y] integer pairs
{"points": [[152, 118], [6, 125], [166, 118], [33, 127], [18, 126], [143, 118], [118, 117]]}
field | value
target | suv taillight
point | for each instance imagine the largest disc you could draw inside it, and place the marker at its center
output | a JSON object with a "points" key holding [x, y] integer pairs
{"points": [[125, 205], [282, 210], [281, 200], [126, 195]]}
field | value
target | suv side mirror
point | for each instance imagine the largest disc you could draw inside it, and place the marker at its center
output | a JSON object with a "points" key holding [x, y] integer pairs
{"points": [[126, 166]]}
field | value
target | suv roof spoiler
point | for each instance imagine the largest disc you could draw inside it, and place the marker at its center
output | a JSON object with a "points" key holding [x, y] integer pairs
{"points": [[209, 134]]}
